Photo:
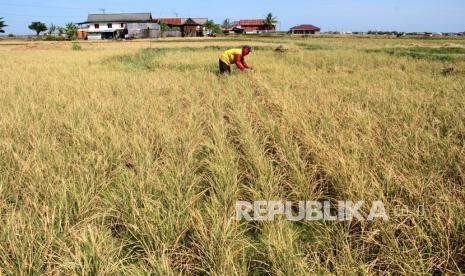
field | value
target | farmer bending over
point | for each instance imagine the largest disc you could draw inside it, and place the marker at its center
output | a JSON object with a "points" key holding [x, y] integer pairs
{"points": [[234, 56]]}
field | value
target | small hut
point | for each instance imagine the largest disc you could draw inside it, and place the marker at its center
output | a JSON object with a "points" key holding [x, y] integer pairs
{"points": [[306, 29]]}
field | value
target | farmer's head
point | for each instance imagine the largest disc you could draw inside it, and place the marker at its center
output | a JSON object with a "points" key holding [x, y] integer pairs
{"points": [[246, 50]]}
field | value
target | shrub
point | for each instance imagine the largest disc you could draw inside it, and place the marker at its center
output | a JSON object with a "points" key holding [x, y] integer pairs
{"points": [[76, 46], [54, 38]]}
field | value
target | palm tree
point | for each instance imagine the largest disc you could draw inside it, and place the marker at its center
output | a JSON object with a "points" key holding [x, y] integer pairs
{"points": [[61, 31], [2, 25], [227, 23], [212, 27], [270, 20], [70, 30], [51, 29]]}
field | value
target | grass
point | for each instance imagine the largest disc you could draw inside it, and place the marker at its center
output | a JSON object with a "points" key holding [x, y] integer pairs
{"points": [[155, 58], [75, 46], [314, 47], [130, 161], [441, 54]]}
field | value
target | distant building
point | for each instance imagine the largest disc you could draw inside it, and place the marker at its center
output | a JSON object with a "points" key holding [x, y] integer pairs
{"points": [[118, 25], [304, 30], [184, 27], [231, 30], [58, 32], [252, 26]]}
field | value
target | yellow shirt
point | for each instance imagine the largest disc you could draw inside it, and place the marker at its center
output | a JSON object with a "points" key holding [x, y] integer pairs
{"points": [[228, 56]]}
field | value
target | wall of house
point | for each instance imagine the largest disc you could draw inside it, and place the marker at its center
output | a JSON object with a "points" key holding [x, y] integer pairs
{"points": [[143, 26], [104, 26], [80, 34], [189, 31], [94, 36], [258, 28], [117, 26], [304, 32], [144, 33], [172, 33], [143, 30]]}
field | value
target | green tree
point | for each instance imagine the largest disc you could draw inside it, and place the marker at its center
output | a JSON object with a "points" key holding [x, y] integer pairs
{"points": [[52, 28], [38, 27], [270, 20], [227, 23], [163, 27], [212, 27], [61, 30], [2, 25], [70, 30]]}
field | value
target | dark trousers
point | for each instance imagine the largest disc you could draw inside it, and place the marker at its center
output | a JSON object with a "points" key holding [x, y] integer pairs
{"points": [[224, 68]]}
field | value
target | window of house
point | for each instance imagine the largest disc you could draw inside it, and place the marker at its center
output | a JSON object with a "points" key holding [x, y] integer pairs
{"points": [[109, 25], [122, 25], [97, 26]]}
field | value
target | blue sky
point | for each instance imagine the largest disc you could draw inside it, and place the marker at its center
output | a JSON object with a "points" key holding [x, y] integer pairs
{"points": [[330, 15]]}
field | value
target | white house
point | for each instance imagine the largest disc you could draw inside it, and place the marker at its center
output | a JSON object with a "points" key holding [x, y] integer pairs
{"points": [[119, 25]]}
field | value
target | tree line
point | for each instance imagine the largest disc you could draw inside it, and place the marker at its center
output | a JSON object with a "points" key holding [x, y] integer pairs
{"points": [[269, 21], [69, 30]]}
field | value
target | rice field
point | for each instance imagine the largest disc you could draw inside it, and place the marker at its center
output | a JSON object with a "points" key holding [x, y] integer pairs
{"points": [[129, 157]]}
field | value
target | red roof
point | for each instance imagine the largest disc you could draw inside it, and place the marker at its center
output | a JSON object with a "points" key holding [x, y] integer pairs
{"points": [[170, 21], [249, 22], [305, 28]]}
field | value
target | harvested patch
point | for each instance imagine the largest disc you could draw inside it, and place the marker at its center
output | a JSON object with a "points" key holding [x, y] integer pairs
{"points": [[281, 49], [150, 58], [143, 59], [452, 71], [430, 53], [219, 48], [448, 71], [315, 47], [215, 40]]}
